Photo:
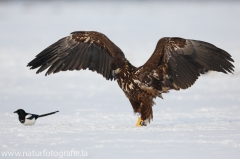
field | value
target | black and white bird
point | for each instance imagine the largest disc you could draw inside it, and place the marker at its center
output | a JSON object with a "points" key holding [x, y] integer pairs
{"points": [[29, 119]]}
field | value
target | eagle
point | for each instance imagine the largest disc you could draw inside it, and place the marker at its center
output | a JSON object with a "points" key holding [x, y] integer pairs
{"points": [[175, 64]]}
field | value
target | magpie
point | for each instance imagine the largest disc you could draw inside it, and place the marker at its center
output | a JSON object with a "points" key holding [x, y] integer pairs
{"points": [[28, 119]]}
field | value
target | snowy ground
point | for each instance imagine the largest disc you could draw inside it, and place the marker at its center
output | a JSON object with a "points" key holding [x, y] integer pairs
{"points": [[95, 117]]}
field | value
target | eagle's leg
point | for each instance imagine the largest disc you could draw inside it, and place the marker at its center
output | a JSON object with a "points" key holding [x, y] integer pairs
{"points": [[142, 110], [141, 122], [145, 109], [136, 110]]}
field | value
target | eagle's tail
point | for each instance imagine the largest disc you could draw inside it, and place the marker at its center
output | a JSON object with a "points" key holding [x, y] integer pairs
{"points": [[48, 114]]}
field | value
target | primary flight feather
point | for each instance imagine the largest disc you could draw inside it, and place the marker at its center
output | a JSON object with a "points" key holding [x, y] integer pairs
{"points": [[175, 63]]}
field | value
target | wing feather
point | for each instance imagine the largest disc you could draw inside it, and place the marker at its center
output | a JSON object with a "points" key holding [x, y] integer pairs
{"points": [[54, 66], [182, 61], [76, 60], [79, 50]]}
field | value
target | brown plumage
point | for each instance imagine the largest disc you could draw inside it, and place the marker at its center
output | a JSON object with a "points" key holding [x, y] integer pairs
{"points": [[176, 64]]}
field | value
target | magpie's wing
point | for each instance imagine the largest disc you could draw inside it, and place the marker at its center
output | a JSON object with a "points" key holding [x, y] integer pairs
{"points": [[176, 63], [31, 116], [79, 50]]}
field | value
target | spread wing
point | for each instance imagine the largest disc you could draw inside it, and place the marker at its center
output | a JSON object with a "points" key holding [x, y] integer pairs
{"points": [[176, 63], [79, 50]]}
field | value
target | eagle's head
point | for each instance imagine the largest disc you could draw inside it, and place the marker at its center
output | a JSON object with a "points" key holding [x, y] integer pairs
{"points": [[116, 65]]}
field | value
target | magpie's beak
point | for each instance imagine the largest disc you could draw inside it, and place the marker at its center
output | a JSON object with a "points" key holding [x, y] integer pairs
{"points": [[15, 112]]}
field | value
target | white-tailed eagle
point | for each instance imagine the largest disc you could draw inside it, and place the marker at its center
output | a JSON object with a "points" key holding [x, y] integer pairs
{"points": [[175, 64]]}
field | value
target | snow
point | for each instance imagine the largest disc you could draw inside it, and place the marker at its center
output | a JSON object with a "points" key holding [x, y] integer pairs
{"points": [[95, 116]]}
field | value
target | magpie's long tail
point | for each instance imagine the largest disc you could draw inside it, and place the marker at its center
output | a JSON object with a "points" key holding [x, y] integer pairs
{"points": [[47, 114]]}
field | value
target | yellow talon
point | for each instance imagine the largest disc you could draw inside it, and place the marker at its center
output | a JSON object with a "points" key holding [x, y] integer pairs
{"points": [[139, 122]]}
